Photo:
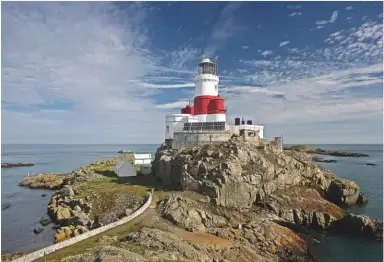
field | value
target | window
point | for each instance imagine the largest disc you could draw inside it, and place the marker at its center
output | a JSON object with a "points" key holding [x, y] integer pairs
{"points": [[167, 129]]}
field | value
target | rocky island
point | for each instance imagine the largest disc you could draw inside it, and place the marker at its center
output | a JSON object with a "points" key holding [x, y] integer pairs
{"points": [[9, 165], [312, 150], [229, 201]]}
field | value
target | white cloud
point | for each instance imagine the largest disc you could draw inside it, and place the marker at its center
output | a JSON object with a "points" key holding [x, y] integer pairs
{"points": [[294, 6], [332, 19], [85, 54], [160, 86], [295, 14], [284, 43], [245, 47], [333, 16], [173, 105], [310, 99], [224, 28], [184, 56], [349, 7], [266, 53]]}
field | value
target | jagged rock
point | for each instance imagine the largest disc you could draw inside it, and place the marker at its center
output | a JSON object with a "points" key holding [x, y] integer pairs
{"points": [[45, 181], [63, 213], [188, 213], [343, 192], [362, 199], [45, 221], [247, 175], [105, 240], [359, 225], [322, 160], [38, 230], [67, 191], [5, 206]]}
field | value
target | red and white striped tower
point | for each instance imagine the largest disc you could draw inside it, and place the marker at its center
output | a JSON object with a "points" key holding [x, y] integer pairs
{"points": [[208, 105]]}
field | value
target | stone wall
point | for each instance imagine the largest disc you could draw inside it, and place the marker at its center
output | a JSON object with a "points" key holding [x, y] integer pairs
{"points": [[50, 249], [185, 140], [188, 140]]}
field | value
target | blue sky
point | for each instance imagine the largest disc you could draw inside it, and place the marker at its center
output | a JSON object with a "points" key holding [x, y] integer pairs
{"points": [[103, 72]]}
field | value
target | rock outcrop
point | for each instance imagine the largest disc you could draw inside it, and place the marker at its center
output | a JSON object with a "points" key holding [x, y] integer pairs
{"points": [[359, 225], [76, 208], [238, 174], [241, 176], [51, 181]]}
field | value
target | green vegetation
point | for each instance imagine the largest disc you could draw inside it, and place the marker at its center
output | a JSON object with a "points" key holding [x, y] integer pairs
{"points": [[301, 148]]}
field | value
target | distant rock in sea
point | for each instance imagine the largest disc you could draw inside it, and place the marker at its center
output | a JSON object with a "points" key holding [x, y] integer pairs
{"points": [[125, 151], [312, 150], [370, 164], [8, 165], [320, 159]]}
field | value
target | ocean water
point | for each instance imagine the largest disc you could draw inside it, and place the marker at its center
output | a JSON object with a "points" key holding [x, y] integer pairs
{"points": [[370, 179], [28, 206]]}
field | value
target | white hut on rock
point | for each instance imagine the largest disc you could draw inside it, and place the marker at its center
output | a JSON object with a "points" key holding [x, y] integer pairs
{"points": [[125, 169], [142, 159]]}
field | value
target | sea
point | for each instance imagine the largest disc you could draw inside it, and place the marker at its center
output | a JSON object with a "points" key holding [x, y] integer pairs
{"points": [[22, 208]]}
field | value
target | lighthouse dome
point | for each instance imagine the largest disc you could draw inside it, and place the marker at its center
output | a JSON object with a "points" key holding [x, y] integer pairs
{"points": [[206, 60]]}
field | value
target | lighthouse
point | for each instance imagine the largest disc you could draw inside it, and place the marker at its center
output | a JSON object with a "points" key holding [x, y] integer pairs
{"points": [[208, 105], [205, 121]]}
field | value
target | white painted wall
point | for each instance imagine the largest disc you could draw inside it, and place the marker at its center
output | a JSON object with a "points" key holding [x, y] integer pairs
{"points": [[175, 123], [206, 85], [236, 129], [216, 118]]}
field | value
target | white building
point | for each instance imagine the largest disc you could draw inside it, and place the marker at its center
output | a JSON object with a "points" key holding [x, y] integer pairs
{"points": [[125, 169], [142, 159]]}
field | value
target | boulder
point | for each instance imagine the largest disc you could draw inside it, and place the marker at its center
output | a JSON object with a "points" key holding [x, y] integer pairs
{"points": [[38, 230], [343, 192], [45, 221], [362, 199], [360, 226], [63, 213]]}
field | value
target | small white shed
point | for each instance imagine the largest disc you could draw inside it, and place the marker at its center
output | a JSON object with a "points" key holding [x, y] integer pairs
{"points": [[125, 169], [142, 159]]}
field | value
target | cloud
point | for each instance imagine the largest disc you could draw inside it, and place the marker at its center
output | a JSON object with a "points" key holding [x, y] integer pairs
{"points": [[161, 86], [178, 104], [294, 6], [295, 14], [85, 54], [224, 28], [349, 7], [266, 53], [284, 43], [184, 57], [340, 82], [245, 47], [331, 20], [333, 16]]}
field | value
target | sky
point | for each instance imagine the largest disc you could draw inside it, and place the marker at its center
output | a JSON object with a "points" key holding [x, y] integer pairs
{"points": [[109, 72]]}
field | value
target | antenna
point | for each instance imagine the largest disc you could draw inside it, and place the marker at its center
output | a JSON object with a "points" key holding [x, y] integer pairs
{"points": [[216, 64]]}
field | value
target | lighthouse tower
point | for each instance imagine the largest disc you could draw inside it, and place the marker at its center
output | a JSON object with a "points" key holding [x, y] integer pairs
{"points": [[208, 105]]}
